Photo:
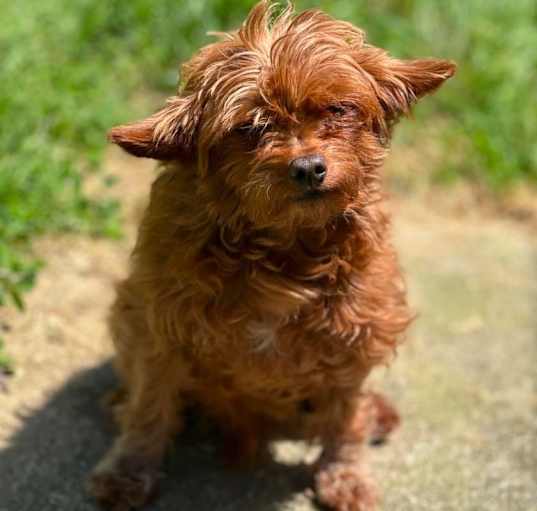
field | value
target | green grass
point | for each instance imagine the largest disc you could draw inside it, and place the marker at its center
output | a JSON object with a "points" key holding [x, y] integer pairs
{"points": [[488, 112], [6, 362], [69, 68]]}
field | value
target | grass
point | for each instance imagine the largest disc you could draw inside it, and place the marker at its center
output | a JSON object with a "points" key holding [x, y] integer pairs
{"points": [[6, 362], [488, 112], [70, 67], [69, 70]]}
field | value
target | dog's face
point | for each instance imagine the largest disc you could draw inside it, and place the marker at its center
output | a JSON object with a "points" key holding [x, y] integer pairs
{"points": [[287, 122]]}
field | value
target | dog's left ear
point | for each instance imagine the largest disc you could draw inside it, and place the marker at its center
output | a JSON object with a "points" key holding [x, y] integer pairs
{"points": [[166, 135], [401, 83]]}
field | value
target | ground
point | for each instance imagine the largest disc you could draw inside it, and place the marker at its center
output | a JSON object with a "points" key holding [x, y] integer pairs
{"points": [[465, 382]]}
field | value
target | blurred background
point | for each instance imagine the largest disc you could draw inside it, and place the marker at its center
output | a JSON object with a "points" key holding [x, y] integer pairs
{"points": [[72, 69], [463, 177]]}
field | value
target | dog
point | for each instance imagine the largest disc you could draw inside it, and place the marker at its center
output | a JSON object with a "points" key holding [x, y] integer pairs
{"points": [[263, 285]]}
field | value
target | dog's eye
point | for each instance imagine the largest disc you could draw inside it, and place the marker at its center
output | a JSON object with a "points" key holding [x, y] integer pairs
{"points": [[252, 130], [244, 128], [336, 110]]}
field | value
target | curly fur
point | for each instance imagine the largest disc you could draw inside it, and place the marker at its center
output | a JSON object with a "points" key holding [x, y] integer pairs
{"points": [[266, 307]]}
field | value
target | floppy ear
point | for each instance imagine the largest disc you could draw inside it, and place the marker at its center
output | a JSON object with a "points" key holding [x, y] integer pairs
{"points": [[403, 82], [166, 135]]}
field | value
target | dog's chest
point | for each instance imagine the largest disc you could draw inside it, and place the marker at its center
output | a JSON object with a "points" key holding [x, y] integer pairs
{"points": [[291, 386], [262, 335], [276, 367], [275, 335]]}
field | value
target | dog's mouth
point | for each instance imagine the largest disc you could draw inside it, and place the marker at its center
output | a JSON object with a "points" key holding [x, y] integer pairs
{"points": [[311, 195]]}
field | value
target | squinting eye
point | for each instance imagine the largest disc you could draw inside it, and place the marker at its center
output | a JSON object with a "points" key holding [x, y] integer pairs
{"points": [[337, 110], [252, 130], [244, 128]]}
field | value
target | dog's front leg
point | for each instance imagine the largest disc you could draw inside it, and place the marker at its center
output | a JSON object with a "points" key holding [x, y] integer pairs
{"points": [[342, 480], [127, 476]]}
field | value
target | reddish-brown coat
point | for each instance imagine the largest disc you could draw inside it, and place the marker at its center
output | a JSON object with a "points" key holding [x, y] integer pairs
{"points": [[266, 307]]}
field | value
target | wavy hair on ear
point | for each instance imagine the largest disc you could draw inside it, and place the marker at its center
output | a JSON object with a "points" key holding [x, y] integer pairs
{"points": [[401, 83], [167, 134]]}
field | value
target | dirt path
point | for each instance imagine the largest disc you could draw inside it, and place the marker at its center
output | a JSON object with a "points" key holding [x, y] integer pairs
{"points": [[465, 383]]}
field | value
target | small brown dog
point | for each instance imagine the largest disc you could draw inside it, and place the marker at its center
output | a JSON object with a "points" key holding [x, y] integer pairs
{"points": [[263, 285]]}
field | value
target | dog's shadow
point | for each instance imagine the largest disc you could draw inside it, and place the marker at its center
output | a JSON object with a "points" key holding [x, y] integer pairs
{"points": [[45, 464]]}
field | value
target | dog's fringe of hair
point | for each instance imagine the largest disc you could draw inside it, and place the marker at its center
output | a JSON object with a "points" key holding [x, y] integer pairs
{"points": [[229, 252]]}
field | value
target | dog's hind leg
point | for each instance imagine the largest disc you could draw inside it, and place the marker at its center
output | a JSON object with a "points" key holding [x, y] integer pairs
{"points": [[380, 416]]}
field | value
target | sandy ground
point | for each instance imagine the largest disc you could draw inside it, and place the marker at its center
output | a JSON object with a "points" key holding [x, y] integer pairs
{"points": [[465, 382]]}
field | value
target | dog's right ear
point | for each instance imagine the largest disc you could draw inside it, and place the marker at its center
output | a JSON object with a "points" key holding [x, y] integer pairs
{"points": [[166, 135]]}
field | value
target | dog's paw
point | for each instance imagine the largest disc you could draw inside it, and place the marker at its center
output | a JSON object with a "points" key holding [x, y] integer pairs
{"points": [[123, 486], [344, 487]]}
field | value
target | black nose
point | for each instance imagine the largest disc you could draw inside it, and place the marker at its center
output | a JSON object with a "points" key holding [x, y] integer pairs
{"points": [[308, 171]]}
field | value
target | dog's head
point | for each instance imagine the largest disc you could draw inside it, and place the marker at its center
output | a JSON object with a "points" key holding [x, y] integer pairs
{"points": [[286, 119]]}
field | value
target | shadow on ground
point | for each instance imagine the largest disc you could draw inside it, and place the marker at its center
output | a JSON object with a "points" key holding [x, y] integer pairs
{"points": [[465, 383], [49, 458]]}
